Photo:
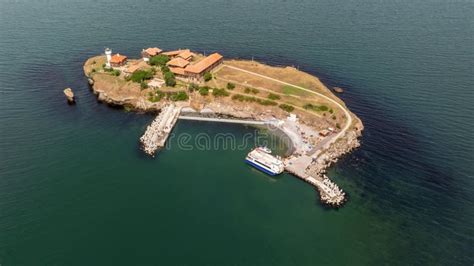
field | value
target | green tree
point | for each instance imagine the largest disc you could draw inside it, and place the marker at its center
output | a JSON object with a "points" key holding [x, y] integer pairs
{"points": [[207, 76], [204, 90], [219, 92], [230, 86], [169, 79], [287, 107], [143, 85], [159, 60], [272, 96], [141, 75], [179, 96], [165, 69], [193, 87], [116, 72]]}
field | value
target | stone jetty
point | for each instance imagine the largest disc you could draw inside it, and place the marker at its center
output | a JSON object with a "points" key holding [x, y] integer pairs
{"points": [[158, 131], [330, 194]]}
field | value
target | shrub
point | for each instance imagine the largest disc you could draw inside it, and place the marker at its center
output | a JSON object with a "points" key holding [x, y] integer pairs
{"points": [[272, 96], [207, 76], [333, 117], [159, 60], [244, 98], [179, 96], [193, 87], [141, 75], [204, 90], [220, 92], [338, 126], [266, 102], [156, 97], [93, 70], [116, 72], [247, 90], [165, 69], [254, 91], [230, 86], [143, 85], [315, 108], [287, 107], [169, 79]]}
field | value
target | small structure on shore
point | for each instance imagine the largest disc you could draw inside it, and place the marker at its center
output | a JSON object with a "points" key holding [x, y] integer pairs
{"points": [[108, 55], [118, 60], [69, 95], [150, 52], [115, 60]]}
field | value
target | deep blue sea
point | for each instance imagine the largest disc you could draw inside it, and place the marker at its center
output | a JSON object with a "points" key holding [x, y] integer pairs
{"points": [[76, 190]]}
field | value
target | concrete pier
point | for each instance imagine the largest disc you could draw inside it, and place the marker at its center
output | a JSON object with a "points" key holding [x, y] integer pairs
{"points": [[158, 131], [224, 120]]}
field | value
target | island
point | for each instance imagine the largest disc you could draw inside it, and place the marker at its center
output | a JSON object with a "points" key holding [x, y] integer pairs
{"points": [[182, 84]]}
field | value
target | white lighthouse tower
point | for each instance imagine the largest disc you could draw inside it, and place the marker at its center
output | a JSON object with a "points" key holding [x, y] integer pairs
{"points": [[108, 54]]}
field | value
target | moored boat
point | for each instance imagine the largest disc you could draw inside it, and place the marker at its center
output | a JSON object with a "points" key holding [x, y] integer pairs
{"points": [[265, 149], [265, 162]]}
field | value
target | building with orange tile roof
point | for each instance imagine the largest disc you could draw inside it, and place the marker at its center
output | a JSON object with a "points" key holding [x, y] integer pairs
{"points": [[118, 60], [176, 52], [178, 72], [152, 51], [186, 55], [178, 62], [197, 70]]}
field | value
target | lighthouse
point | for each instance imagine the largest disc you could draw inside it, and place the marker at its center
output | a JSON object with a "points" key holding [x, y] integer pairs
{"points": [[108, 54]]}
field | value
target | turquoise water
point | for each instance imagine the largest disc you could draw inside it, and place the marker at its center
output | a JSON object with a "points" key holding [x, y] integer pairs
{"points": [[75, 189]]}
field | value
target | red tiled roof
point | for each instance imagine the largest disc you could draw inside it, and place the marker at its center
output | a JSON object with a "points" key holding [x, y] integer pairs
{"points": [[118, 59], [153, 51], [177, 70], [178, 62], [204, 64], [186, 54], [176, 52]]}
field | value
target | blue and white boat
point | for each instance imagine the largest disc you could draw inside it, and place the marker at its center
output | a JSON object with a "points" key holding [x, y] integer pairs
{"points": [[265, 162]]}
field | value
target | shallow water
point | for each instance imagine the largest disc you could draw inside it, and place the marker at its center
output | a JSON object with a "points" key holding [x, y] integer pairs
{"points": [[75, 189]]}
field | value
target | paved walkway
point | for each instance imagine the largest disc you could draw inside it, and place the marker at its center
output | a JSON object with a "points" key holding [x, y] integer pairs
{"points": [[223, 120]]}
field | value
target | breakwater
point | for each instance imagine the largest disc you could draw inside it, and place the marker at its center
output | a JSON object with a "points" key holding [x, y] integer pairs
{"points": [[158, 131]]}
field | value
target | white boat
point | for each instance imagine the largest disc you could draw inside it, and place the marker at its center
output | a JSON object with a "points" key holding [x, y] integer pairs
{"points": [[265, 149], [265, 162]]}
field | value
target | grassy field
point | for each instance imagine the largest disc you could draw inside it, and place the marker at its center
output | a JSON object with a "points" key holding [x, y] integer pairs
{"points": [[290, 90]]}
